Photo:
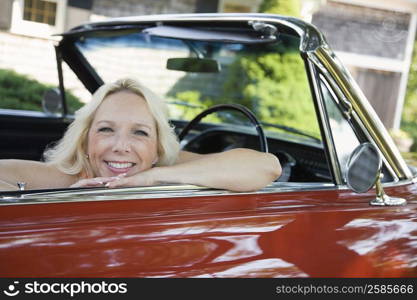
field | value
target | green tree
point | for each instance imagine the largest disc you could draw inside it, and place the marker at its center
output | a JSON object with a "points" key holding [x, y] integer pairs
{"points": [[274, 84], [409, 116], [18, 91], [269, 80], [281, 7], [194, 103]]}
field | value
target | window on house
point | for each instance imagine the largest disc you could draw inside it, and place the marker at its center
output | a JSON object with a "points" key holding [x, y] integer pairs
{"points": [[40, 11]]}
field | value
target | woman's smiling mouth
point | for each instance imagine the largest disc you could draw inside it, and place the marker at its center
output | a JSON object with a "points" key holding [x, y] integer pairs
{"points": [[119, 167]]}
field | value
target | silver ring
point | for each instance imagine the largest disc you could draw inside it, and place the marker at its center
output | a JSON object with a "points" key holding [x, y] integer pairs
{"points": [[21, 185]]}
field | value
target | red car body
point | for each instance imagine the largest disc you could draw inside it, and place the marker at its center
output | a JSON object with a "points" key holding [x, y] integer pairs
{"points": [[317, 234]]}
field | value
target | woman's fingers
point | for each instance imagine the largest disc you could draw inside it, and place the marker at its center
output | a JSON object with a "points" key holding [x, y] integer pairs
{"points": [[97, 181], [120, 182], [87, 183], [141, 179]]}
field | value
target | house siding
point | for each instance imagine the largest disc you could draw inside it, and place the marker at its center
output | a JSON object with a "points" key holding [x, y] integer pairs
{"points": [[35, 57], [362, 30], [124, 8], [367, 32]]}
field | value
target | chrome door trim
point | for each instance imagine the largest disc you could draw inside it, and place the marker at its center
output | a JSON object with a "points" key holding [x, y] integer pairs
{"points": [[334, 89], [154, 192], [334, 162], [364, 110]]}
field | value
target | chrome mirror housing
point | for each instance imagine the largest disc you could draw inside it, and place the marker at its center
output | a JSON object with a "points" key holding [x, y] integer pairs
{"points": [[364, 171], [52, 103]]}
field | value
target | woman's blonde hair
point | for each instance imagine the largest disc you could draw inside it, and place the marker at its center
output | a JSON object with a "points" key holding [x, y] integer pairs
{"points": [[69, 154]]}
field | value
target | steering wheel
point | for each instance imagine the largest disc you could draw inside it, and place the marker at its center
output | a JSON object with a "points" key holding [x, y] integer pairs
{"points": [[237, 107]]}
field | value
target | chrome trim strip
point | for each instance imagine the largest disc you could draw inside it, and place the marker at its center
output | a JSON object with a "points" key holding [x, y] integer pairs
{"points": [[370, 139], [337, 93], [365, 111], [155, 192], [386, 184], [326, 126], [353, 114]]}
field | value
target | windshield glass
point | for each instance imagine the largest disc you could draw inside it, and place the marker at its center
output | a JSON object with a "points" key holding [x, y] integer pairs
{"points": [[268, 78]]}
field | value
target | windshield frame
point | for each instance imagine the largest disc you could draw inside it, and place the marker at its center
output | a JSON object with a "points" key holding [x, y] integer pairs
{"points": [[296, 132]]}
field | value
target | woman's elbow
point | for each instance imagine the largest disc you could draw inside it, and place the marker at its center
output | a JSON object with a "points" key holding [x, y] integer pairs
{"points": [[273, 166], [270, 171]]}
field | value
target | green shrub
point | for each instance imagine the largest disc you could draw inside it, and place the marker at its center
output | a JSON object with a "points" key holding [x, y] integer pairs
{"points": [[278, 84], [411, 128], [409, 116], [281, 7], [18, 91]]}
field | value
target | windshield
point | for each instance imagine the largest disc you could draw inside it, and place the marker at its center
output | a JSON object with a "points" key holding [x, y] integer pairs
{"points": [[268, 78]]}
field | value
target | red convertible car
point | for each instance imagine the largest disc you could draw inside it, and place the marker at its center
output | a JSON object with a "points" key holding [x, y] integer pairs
{"points": [[345, 205]]}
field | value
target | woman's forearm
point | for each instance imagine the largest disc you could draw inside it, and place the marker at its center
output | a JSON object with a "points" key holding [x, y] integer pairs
{"points": [[36, 175], [5, 186], [236, 170]]}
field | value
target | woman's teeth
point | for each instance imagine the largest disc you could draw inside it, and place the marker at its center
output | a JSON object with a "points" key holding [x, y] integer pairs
{"points": [[117, 165]]}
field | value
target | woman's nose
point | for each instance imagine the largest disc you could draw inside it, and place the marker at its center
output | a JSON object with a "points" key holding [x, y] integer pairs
{"points": [[121, 144]]}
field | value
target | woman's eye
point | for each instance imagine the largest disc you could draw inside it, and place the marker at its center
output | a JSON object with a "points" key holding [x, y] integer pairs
{"points": [[141, 132], [105, 129]]}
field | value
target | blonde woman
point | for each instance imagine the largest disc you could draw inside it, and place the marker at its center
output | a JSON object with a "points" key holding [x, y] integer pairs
{"points": [[122, 138]]}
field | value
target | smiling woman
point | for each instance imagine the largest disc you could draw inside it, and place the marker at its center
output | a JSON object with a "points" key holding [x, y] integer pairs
{"points": [[123, 138], [123, 129]]}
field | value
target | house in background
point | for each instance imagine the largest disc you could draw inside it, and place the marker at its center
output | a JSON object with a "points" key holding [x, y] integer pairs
{"points": [[27, 28], [373, 38]]}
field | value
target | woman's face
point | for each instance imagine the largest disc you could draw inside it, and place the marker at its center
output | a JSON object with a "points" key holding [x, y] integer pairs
{"points": [[122, 137]]}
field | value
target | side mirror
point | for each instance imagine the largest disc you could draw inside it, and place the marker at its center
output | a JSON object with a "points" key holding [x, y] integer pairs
{"points": [[364, 171], [52, 102], [193, 64]]}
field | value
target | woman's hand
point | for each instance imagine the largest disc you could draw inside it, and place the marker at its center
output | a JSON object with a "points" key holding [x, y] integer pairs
{"points": [[145, 178], [97, 181]]}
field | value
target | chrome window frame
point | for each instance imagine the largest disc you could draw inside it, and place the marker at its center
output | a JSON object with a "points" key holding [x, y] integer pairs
{"points": [[154, 192], [325, 59], [323, 120], [332, 87], [335, 90]]}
